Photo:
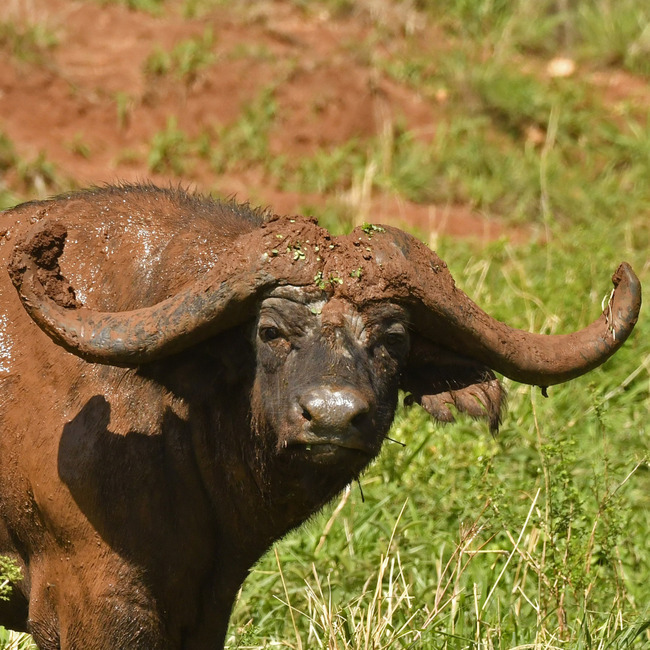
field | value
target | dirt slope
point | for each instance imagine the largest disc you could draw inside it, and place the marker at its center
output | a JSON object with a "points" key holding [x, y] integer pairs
{"points": [[89, 105]]}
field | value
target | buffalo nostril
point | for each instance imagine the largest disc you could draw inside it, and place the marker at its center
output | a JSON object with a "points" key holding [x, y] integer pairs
{"points": [[333, 409], [359, 419]]}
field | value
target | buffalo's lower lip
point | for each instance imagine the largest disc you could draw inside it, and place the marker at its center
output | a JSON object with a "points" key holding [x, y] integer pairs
{"points": [[325, 450]]}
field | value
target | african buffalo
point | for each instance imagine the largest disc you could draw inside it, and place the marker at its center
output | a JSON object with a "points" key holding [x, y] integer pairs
{"points": [[216, 375]]}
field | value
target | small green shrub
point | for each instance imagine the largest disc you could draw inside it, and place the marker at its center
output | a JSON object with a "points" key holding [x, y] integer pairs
{"points": [[185, 61], [170, 150], [27, 42], [246, 141]]}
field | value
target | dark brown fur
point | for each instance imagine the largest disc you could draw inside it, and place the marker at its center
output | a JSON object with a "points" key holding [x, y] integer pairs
{"points": [[136, 500]]}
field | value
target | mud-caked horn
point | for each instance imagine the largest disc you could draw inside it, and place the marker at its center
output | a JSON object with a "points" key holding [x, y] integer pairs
{"points": [[225, 296], [441, 311]]}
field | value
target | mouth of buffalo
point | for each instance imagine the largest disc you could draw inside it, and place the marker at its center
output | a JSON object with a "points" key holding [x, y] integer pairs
{"points": [[327, 450]]}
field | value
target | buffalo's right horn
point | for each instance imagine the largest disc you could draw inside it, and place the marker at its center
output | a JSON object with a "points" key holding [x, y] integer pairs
{"points": [[444, 313]]}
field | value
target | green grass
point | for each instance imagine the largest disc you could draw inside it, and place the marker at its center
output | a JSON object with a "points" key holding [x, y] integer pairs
{"points": [[27, 42], [244, 143], [8, 159], [185, 60], [9, 572], [30, 178], [154, 7], [170, 150], [13, 641], [227, 148], [595, 31]]}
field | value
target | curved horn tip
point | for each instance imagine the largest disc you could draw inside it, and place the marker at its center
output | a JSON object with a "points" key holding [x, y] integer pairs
{"points": [[626, 297], [626, 275]]}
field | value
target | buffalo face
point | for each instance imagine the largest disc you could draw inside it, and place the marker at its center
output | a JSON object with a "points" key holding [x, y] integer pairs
{"points": [[327, 378]]}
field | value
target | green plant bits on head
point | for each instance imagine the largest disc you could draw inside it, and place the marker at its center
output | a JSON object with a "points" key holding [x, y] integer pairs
{"points": [[319, 281], [370, 229]]}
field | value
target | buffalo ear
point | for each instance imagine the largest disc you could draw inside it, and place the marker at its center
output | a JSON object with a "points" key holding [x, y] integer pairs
{"points": [[438, 378]]}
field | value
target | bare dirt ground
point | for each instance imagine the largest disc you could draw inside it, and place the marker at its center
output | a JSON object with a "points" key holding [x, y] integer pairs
{"points": [[325, 94], [326, 90]]}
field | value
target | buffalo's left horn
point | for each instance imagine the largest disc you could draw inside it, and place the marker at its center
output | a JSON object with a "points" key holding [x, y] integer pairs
{"points": [[224, 297], [443, 312]]}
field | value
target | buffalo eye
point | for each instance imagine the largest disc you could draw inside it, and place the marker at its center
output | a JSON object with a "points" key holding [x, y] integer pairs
{"points": [[395, 339], [269, 333]]}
